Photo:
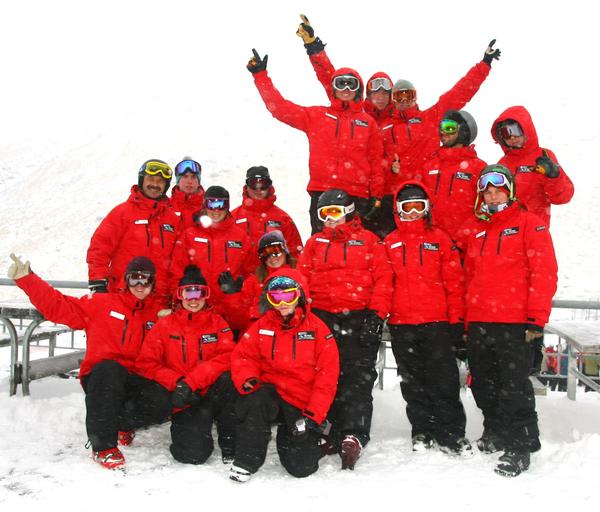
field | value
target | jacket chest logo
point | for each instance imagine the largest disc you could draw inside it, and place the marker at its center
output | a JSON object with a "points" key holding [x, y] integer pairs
{"points": [[415, 120], [209, 338], [525, 168], [428, 246], [168, 227], [355, 243], [273, 224], [234, 244], [510, 231], [149, 324], [359, 122], [464, 176], [306, 335]]}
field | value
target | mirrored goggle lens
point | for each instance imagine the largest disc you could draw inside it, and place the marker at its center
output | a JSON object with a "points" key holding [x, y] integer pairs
{"points": [[413, 206], [258, 183], [343, 82], [511, 129], [271, 251], [214, 203], [379, 83], [448, 127], [404, 95], [334, 212], [188, 166], [495, 179], [193, 292], [153, 168], [286, 297], [139, 278]]}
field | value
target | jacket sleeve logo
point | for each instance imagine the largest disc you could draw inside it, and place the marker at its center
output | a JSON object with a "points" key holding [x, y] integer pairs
{"points": [[525, 168]]}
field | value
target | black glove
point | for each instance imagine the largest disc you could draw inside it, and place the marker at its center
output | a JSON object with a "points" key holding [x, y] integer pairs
{"points": [[181, 395], [459, 343], [256, 64], [374, 208], [370, 334], [228, 284], [532, 332], [250, 385], [490, 53], [304, 426], [544, 165], [98, 285]]}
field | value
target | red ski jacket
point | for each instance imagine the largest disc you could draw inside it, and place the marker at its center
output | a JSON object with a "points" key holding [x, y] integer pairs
{"points": [[428, 276], [347, 269], [451, 177], [345, 146], [533, 189], [260, 217], [510, 268], [214, 249], [413, 134], [300, 359], [115, 324], [193, 346], [185, 205], [137, 227]]}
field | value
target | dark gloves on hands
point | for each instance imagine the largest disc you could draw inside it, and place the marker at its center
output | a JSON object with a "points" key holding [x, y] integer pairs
{"points": [[370, 334], [256, 64], [532, 332], [459, 341], [305, 31], [251, 385], [181, 395], [98, 285], [544, 165], [491, 53], [228, 284]]}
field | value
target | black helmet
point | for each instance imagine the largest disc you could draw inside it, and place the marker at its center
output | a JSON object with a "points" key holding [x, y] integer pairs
{"points": [[338, 197], [467, 127], [154, 167], [411, 191]]}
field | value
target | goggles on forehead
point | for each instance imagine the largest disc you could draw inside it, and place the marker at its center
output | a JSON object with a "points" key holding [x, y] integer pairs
{"points": [[258, 183], [287, 297], [495, 179], [193, 292], [509, 129], [343, 82], [139, 278], [334, 212], [448, 127], [216, 203], [152, 168], [188, 166], [379, 83], [271, 251], [404, 95], [409, 206]]}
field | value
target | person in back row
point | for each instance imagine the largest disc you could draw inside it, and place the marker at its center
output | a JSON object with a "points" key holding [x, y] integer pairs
{"points": [[187, 196], [259, 214], [117, 399]]}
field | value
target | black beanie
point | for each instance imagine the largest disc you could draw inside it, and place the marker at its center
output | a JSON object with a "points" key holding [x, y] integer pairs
{"points": [[140, 264], [259, 171], [272, 238], [217, 192], [411, 192], [192, 275]]}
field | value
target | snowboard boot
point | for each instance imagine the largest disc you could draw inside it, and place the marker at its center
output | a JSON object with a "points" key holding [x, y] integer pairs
{"points": [[350, 451], [460, 447], [490, 443], [421, 443], [110, 459], [327, 446], [125, 438], [512, 463], [238, 474]]}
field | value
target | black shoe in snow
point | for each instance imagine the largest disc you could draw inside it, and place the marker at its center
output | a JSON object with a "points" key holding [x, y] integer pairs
{"points": [[238, 474], [512, 463], [490, 443], [460, 447], [421, 443], [534, 445], [350, 451]]}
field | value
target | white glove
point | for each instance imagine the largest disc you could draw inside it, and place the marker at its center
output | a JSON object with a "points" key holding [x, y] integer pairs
{"points": [[18, 269]]}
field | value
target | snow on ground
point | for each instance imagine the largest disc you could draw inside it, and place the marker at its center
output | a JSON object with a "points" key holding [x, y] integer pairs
{"points": [[92, 89]]}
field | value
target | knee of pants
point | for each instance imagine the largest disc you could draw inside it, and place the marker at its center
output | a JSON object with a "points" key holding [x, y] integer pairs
{"points": [[107, 372], [260, 403], [196, 454], [299, 458]]}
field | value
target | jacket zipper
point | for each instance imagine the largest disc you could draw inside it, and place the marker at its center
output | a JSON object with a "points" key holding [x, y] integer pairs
{"points": [[451, 183], [421, 254], [337, 128], [200, 349], [124, 332], [209, 250], [273, 347], [327, 251], [404, 254], [499, 243], [437, 182], [162, 237], [483, 245], [183, 351], [148, 237], [352, 130], [226, 253], [294, 346], [345, 255]]}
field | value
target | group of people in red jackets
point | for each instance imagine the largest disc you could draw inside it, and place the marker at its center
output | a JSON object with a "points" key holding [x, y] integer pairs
{"points": [[202, 314]]}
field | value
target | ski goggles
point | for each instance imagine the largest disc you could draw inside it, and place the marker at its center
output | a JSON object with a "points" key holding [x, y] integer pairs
{"points": [[144, 279], [216, 203], [409, 206], [508, 129], [448, 127], [193, 292], [258, 183], [379, 83], [287, 297], [495, 179], [343, 82], [271, 251], [334, 212], [405, 95], [152, 168], [188, 166]]}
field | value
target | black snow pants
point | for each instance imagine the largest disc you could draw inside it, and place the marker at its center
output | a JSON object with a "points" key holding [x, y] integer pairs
{"points": [[256, 413], [430, 383], [118, 400]]}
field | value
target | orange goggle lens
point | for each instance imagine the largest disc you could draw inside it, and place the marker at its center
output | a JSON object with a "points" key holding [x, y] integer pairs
{"points": [[404, 95]]}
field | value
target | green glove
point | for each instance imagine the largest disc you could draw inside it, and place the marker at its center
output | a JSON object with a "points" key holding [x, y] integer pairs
{"points": [[18, 269]]}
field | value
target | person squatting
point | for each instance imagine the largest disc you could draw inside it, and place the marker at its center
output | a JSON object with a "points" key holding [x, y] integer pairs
{"points": [[202, 315]]}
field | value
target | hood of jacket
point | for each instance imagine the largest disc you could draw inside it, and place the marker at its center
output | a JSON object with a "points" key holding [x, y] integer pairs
{"points": [[522, 116]]}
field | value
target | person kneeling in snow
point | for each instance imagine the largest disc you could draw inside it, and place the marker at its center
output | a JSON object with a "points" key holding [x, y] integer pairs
{"points": [[286, 368], [117, 399]]}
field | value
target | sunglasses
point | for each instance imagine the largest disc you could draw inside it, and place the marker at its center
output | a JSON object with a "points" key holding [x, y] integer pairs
{"points": [[193, 292], [287, 297], [448, 127], [152, 168], [271, 251], [409, 206], [495, 179], [343, 82], [258, 183], [216, 203], [145, 279], [509, 129], [404, 95], [188, 166], [334, 212], [379, 83]]}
